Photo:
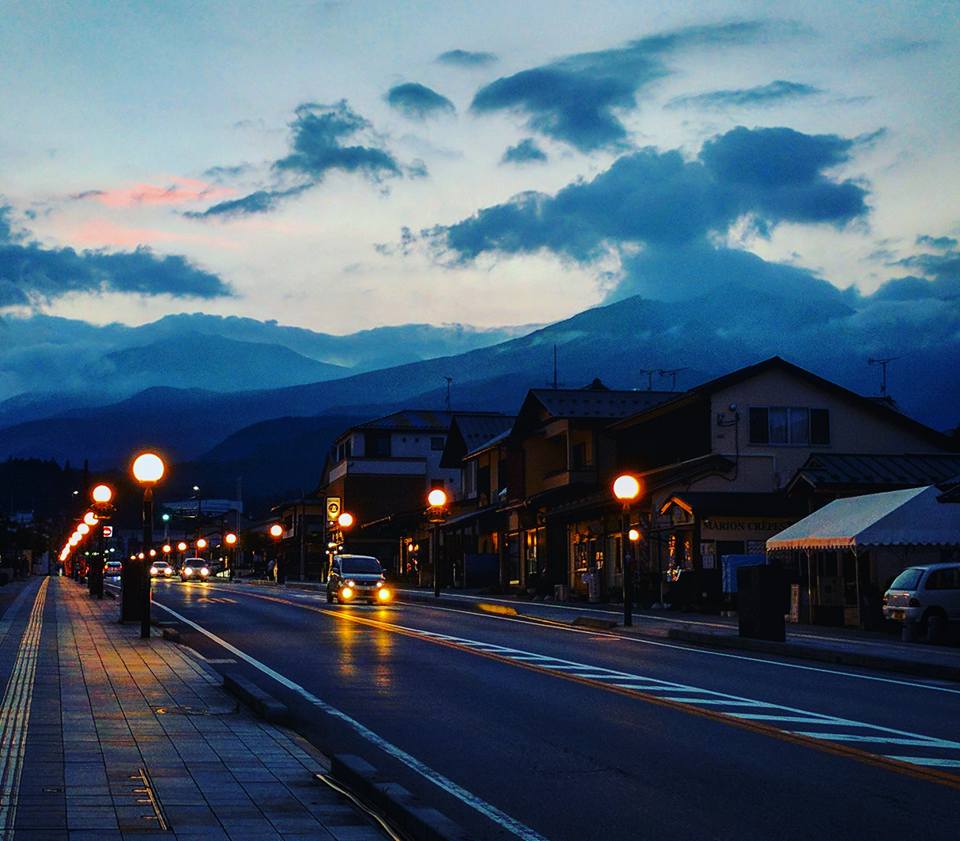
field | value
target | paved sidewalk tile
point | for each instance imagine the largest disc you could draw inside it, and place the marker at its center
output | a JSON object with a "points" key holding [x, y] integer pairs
{"points": [[132, 739]]}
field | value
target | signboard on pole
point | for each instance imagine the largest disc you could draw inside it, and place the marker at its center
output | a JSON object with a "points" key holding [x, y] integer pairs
{"points": [[333, 508], [108, 531]]}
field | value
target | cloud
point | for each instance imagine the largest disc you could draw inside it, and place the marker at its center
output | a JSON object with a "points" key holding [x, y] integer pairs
{"points": [[324, 138], [31, 272], [763, 95], [580, 99], [178, 191], [937, 242], [418, 102], [261, 201], [466, 58], [652, 198], [525, 152], [909, 288]]}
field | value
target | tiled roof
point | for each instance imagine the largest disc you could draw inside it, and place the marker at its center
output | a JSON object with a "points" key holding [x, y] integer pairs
{"points": [[425, 420], [477, 430], [824, 471], [595, 403]]}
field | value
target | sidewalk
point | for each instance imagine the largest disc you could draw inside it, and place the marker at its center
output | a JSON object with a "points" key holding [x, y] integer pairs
{"points": [[107, 737], [846, 646]]}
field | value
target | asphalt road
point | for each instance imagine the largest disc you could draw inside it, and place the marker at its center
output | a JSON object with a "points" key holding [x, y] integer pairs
{"points": [[519, 728]]}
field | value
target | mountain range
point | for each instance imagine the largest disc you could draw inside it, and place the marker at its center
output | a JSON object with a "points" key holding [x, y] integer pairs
{"points": [[274, 438]]}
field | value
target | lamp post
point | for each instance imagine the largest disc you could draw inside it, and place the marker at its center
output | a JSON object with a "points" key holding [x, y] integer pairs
{"points": [[231, 540], [276, 532], [436, 513], [148, 469], [626, 488]]}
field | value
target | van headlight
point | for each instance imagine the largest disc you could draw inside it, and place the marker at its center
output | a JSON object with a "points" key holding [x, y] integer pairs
{"points": [[188, 571], [384, 594], [346, 593], [154, 570], [379, 584], [349, 583], [204, 572]]}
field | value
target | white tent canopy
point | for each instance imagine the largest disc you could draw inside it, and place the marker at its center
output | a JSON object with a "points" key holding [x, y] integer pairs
{"points": [[911, 517]]}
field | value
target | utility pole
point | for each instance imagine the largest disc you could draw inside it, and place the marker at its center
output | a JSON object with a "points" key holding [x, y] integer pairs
{"points": [[883, 362], [648, 373], [449, 382]]}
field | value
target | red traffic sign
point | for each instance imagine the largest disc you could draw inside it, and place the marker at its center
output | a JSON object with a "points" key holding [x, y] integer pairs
{"points": [[108, 531]]}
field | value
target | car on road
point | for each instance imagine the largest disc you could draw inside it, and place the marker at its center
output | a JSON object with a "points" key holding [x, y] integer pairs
{"points": [[194, 569], [112, 569], [927, 596], [356, 578], [161, 569]]}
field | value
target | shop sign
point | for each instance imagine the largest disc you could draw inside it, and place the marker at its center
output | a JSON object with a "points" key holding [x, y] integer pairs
{"points": [[742, 528]]}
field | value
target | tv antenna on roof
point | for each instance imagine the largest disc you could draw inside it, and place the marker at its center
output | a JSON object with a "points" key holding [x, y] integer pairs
{"points": [[672, 373], [648, 372], [449, 382], [555, 382], [883, 363]]}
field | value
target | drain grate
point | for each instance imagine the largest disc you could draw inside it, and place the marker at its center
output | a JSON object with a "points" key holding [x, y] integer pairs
{"points": [[141, 794], [185, 709]]}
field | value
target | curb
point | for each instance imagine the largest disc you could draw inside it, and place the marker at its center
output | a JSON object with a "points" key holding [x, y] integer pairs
{"points": [[395, 802], [822, 655], [262, 703]]}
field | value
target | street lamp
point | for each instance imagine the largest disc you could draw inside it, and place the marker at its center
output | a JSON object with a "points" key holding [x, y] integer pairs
{"points": [[201, 544], [436, 514], [231, 540], [102, 495], [90, 519], [148, 469], [626, 488], [276, 532]]}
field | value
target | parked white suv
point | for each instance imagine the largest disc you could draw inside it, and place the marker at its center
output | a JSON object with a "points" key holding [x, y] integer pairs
{"points": [[927, 595]]}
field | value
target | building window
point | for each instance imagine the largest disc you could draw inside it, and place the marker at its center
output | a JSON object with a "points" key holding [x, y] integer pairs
{"points": [[436, 443], [470, 480], [794, 425], [579, 456], [377, 445]]}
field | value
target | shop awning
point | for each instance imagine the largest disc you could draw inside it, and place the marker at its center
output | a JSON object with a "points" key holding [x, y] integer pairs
{"points": [[910, 517]]}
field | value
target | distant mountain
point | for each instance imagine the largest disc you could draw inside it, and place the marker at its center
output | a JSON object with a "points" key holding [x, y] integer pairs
{"points": [[826, 330], [85, 363], [194, 360]]}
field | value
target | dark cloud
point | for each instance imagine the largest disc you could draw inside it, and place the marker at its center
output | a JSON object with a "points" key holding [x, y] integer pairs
{"points": [[87, 194], [909, 288], [226, 173], [579, 99], [418, 102], [324, 138], [31, 272], [762, 95], [466, 58], [525, 152], [320, 133], [651, 198], [937, 242]]}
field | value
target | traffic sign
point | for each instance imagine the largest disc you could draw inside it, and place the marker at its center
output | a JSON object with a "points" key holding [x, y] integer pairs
{"points": [[333, 507], [108, 531]]}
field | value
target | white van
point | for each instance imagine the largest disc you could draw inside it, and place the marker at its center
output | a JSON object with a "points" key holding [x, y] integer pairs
{"points": [[928, 595]]}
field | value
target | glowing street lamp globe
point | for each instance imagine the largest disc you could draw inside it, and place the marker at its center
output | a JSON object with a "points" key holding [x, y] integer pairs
{"points": [[230, 538], [148, 468], [167, 548], [634, 535], [345, 520], [202, 543], [102, 494], [276, 531], [83, 529], [437, 498], [626, 488], [181, 546], [90, 519]]}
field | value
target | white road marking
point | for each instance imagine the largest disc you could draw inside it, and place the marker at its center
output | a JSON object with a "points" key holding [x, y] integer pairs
{"points": [[492, 812]]}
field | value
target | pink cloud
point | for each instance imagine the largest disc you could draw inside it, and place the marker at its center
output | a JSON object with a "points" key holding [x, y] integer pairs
{"points": [[100, 233], [178, 191]]}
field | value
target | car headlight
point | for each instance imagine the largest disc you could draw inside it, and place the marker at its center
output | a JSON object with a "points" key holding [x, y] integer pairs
{"points": [[384, 594], [349, 583], [204, 571], [168, 571], [379, 584], [154, 570], [346, 593], [188, 571]]}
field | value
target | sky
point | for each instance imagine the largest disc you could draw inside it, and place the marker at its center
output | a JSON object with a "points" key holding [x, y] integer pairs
{"points": [[339, 166]]}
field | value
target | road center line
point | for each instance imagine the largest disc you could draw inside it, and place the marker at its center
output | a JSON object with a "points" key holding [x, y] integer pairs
{"points": [[486, 809]]}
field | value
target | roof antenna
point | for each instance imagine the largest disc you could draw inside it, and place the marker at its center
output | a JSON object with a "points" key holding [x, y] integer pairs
{"points": [[449, 381], [648, 372], [555, 383], [672, 373], [883, 370]]}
